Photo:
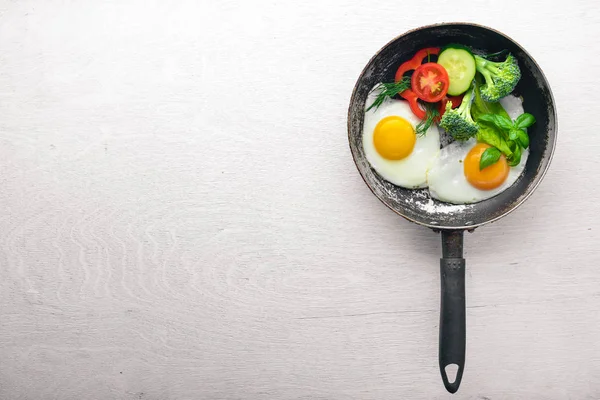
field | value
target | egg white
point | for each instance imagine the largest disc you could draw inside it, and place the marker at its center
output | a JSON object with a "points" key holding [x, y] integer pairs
{"points": [[447, 180], [411, 171], [446, 176], [513, 106]]}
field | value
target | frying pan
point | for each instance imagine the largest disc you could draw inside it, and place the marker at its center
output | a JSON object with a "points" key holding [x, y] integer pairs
{"points": [[452, 220]]}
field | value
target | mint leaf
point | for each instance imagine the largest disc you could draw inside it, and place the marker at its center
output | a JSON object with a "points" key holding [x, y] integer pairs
{"points": [[490, 156]]}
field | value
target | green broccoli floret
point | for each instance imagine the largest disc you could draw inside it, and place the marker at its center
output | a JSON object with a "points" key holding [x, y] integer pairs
{"points": [[458, 122], [500, 77]]}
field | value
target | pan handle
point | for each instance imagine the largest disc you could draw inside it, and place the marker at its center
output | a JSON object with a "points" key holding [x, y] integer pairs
{"points": [[452, 313]]}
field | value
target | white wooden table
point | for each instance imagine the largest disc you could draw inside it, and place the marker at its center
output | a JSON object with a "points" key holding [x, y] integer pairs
{"points": [[182, 219]]}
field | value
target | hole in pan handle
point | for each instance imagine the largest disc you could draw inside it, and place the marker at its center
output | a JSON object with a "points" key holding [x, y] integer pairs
{"points": [[452, 308]]}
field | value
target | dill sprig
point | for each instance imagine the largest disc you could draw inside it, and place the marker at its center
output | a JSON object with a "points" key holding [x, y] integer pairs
{"points": [[389, 90], [431, 114]]}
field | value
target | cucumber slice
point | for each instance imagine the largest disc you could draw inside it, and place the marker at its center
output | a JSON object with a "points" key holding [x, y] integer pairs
{"points": [[456, 46], [460, 65]]}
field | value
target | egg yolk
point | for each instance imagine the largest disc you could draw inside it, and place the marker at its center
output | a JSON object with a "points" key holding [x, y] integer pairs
{"points": [[394, 138], [488, 178]]}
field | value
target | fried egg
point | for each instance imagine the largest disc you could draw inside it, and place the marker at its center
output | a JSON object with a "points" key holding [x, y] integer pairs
{"points": [[392, 146], [455, 177]]}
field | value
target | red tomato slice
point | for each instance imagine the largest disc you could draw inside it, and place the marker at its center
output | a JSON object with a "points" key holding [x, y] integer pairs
{"points": [[430, 82], [411, 65]]}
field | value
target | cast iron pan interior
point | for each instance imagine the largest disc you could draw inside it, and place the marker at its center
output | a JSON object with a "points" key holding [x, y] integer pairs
{"points": [[415, 205]]}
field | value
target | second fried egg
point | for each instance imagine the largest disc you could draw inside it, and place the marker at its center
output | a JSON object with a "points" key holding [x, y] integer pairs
{"points": [[392, 146]]}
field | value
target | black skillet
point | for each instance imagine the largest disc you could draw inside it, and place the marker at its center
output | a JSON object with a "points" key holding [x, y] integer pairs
{"points": [[449, 219]]}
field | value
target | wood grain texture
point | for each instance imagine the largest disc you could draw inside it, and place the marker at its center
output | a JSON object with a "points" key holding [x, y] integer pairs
{"points": [[182, 218]]}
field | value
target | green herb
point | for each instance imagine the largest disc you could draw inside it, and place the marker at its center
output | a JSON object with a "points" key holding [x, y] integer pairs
{"points": [[518, 135], [490, 156], [513, 132], [491, 136], [515, 158], [497, 129], [500, 121], [510, 129], [387, 90], [524, 120], [431, 113], [523, 138]]}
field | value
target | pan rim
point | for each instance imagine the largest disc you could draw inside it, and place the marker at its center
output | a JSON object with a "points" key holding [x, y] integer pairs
{"points": [[540, 173]]}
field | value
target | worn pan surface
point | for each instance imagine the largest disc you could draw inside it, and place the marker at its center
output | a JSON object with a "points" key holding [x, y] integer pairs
{"points": [[452, 220]]}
